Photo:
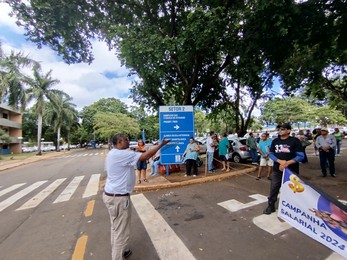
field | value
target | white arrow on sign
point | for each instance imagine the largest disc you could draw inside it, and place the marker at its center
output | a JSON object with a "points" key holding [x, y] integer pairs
{"points": [[177, 148], [176, 127]]}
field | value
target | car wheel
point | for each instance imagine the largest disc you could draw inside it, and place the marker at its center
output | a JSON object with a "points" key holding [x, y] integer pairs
{"points": [[236, 158]]}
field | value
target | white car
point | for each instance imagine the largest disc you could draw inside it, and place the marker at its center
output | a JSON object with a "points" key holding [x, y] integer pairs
{"points": [[132, 144]]}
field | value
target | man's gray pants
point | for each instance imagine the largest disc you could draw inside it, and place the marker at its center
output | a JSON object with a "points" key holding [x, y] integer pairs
{"points": [[119, 209]]}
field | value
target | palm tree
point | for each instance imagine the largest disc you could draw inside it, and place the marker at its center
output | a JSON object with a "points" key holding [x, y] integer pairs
{"points": [[40, 89], [11, 78], [61, 113]]}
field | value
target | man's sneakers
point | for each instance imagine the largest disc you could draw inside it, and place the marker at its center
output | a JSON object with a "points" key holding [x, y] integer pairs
{"points": [[269, 210], [127, 253]]}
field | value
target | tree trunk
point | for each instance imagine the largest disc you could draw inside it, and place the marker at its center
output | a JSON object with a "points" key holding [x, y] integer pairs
{"points": [[68, 140], [58, 139], [39, 134]]}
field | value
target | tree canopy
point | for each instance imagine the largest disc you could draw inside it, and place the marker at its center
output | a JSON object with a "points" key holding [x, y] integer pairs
{"points": [[193, 52]]}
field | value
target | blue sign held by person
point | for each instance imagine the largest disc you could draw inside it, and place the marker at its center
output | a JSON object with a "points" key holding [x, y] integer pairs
{"points": [[177, 124]]}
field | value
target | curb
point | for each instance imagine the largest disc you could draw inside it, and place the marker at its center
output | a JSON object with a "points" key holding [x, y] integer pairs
{"points": [[194, 181]]}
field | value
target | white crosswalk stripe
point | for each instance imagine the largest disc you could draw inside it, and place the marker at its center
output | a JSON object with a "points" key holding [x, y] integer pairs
{"points": [[8, 202], [9, 189], [91, 189], [36, 200], [69, 190], [93, 186], [76, 155], [160, 232]]}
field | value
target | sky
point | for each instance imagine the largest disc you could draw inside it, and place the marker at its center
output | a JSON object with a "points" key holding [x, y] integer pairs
{"points": [[86, 84]]}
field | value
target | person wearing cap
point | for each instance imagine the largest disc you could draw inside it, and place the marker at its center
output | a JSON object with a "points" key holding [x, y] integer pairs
{"points": [[326, 145], [286, 152], [120, 182]]}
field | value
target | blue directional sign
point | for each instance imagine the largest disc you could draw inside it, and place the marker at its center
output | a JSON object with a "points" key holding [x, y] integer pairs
{"points": [[177, 124]]}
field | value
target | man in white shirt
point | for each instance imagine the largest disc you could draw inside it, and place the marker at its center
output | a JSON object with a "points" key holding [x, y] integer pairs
{"points": [[120, 182], [326, 145]]}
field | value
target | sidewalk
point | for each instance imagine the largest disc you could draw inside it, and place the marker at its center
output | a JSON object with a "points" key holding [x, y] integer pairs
{"points": [[8, 164], [178, 179]]}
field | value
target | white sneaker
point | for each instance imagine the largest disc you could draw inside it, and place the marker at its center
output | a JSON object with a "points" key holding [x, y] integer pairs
{"points": [[194, 175], [185, 175]]}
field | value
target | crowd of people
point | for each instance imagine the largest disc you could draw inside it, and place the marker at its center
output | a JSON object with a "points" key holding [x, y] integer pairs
{"points": [[288, 150], [276, 154]]}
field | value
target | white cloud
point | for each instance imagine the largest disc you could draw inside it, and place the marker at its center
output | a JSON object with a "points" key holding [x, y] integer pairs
{"points": [[8, 21], [85, 83]]}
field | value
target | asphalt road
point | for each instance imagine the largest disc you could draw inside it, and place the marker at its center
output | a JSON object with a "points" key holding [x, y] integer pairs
{"points": [[46, 230], [215, 220]]}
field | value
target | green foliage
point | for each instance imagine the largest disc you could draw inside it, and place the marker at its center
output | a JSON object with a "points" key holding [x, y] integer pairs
{"points": [[29, 125], [201, 123], [40, 89], [296, 110], [108, 124], [328, 115], [107, 105], [4, 138], [12, 86]]}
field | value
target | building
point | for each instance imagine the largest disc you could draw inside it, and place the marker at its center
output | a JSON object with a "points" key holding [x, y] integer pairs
{"points": [[11, 123]]}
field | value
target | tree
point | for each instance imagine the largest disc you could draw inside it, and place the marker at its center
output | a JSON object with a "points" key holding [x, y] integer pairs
{"points": [[106, 105], [201, 123], [4, 138], [40, 90], [327, 115], [12, 88], [296, 110], [191, 52], [61, 113], [29, 125], [108, 124], [176, 48], [311, 41]]}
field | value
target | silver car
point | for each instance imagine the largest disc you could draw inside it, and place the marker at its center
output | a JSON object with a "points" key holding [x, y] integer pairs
{"points": [[202, 146], [239, 150]]}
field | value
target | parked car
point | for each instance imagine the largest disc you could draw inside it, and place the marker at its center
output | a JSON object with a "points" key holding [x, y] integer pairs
{"points": [[239, 150], [132, 144]]}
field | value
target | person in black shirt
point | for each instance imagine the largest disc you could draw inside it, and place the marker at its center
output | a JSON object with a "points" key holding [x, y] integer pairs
{"points": [[286, 152]]}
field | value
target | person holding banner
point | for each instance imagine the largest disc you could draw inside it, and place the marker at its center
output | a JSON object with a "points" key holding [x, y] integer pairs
{"points": [[326, 145], [286, 152]]}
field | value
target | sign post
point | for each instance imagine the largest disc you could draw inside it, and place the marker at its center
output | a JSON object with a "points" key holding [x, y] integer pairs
{"points": [[177, 124]]}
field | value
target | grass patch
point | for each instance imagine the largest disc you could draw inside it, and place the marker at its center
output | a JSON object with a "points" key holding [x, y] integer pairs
{"points": [[19, 156]]}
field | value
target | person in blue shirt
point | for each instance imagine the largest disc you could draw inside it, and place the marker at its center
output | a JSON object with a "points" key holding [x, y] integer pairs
{"points": [[265, 161], [286, 152], [190, 156], [223, 150]]}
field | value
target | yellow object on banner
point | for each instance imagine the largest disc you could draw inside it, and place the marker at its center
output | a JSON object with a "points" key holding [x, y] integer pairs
{"points": [[313, 212]]}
